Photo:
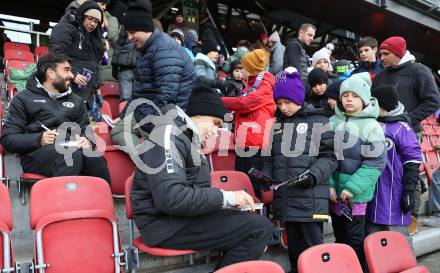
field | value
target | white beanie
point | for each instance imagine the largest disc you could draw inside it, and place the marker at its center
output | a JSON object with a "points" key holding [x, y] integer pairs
{"points": [[275, 37], [323, 53], [94, 13]]}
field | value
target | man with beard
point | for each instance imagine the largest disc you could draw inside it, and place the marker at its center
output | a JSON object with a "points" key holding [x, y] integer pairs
{"points": [[35, 125]]}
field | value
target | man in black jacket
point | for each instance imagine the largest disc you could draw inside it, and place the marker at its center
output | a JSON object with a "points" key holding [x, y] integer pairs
{"points": [[295, 54], [173, 203], [163, 74], [414, 81], [35, 125], [417, 91]]}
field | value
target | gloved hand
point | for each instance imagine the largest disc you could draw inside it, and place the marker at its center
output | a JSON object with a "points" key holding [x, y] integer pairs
{"points": [[308, 182], [407, 202]]}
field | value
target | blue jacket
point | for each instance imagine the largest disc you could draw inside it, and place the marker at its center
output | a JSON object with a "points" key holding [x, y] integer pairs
{"points": [[164, 74], [372, 68]]}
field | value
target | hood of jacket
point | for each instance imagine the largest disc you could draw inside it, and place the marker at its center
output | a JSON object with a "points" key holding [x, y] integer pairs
{"points": [[206, 59], [85, 7], [406, 59], [370, 111], [34, 85]]}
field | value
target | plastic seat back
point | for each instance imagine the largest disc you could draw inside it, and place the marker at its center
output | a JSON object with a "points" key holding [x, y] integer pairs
{"points": [[120, 167], [6, 259], [388, 252], [232, 181], [329, 258], [17, 54], [110, 93], [41, 51], [74, 216], [16, 46], [252, 267], [221, 151], [128, 208]]}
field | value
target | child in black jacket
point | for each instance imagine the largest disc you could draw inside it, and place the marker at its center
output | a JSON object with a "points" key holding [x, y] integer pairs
{"points": [[302, 144]]}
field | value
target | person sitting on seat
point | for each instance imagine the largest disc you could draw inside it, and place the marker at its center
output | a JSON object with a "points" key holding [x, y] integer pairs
{"points": [[173, 202], [35, 125]]}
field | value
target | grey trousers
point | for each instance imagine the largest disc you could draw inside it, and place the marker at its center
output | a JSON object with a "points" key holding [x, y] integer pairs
{"points": [[129, 139]]}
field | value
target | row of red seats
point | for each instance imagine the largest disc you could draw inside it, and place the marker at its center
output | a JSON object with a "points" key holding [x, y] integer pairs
{"points": [[430, 144], [82, 207], [75, 216], [19, 56], [385, 251]]}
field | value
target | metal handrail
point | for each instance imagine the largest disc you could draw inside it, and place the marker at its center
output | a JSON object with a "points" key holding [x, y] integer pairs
{"points": [[27, 31]]}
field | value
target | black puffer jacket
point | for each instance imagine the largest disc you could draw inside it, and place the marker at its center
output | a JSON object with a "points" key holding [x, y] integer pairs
{"points": [[70, 39], [164, 200], [416, 87], [296, 56], [164, 74], [292, 158], [21, 132]]}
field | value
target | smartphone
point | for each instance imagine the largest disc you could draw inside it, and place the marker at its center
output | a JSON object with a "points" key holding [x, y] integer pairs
{"points": [[260, 177]]}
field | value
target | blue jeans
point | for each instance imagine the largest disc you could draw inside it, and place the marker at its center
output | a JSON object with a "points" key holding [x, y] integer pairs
{"points": [[126, 79]]}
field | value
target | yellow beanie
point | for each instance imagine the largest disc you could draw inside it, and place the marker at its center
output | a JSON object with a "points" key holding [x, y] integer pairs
{"points": [[255, 61]]}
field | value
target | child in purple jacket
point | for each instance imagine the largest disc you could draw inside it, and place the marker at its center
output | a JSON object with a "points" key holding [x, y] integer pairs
{"points": [[393, 197]]}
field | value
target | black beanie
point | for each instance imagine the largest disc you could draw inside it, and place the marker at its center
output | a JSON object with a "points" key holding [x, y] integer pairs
{"points": [[317, 76], [333, 90], [387, 96], [205, 101], [138, 16], [209, 46]]}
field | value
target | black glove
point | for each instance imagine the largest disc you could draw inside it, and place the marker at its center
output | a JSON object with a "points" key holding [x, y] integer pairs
{"points": [[407, 202], [307, 182]]}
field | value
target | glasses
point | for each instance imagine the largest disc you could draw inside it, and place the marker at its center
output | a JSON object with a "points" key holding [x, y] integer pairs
{"points": [[91, 19]]}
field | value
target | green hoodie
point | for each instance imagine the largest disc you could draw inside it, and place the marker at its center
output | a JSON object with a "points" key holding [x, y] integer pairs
{"points": [[364, 158]]}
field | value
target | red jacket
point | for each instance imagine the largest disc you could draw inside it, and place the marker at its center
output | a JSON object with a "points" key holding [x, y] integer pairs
{"points": [[254, 113]]}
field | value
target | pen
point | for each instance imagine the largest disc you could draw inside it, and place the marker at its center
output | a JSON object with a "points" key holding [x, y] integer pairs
{"points": [[44, 127]]}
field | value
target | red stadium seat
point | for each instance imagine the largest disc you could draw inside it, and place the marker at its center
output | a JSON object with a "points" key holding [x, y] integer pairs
{"points": [[136, 244], [233, 181], [390, 252], [105, 109], [3, 176], [110, 93], [6, 253], [74, 216], [122, 105], [252, 267], [329, 258], [25, 182], [18, 64], [103, 135], [17, 46], [119, 163], [41, 51], [120, 167], [17, 54], [220, 151]]}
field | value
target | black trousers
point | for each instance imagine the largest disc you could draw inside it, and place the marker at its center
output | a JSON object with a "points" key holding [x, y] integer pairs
{"points": [[243, 164], [351, 233], [242, 236], [47, 161], [301, 236]]}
